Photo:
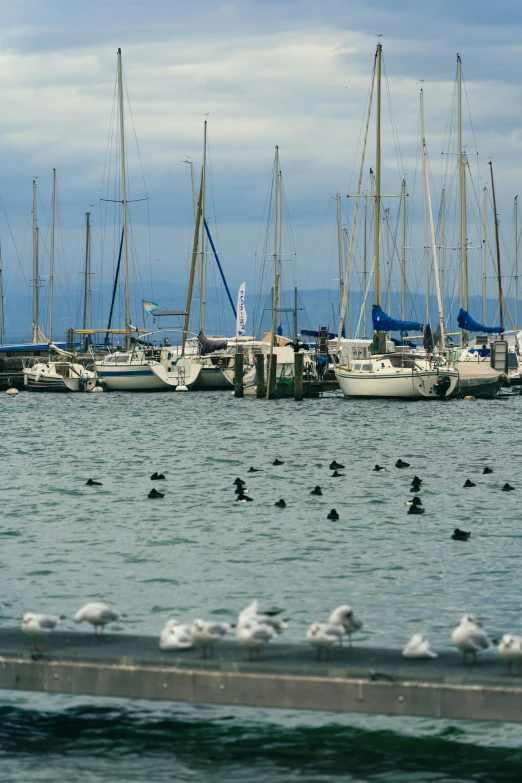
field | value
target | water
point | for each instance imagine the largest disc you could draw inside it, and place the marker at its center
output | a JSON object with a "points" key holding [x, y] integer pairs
{"points": [[197, 553]]}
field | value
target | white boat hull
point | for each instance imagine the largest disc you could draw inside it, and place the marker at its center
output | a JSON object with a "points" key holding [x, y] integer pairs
{"points": [[414, 385], [129, 377]]}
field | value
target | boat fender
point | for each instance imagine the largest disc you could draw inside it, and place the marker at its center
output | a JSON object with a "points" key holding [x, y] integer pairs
{"points": [[181, 388], [12, 391]]}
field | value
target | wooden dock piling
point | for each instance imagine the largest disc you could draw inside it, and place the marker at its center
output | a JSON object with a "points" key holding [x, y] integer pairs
{"points": [[238, 373], [272, 392], [260, 375], [298, 376]]}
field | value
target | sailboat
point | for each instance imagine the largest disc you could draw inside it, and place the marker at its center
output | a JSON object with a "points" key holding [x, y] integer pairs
{"points": [[394, 374]]}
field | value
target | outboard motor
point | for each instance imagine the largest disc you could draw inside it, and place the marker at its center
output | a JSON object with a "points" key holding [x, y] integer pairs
{"points": [[83, 382], [442, 386]]}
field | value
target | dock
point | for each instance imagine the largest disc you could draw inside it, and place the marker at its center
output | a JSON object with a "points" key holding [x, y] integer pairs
{"points": [[359, 679]]}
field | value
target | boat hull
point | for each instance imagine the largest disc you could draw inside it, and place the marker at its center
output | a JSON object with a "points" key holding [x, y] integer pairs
{"points": [[128, 377], [407, 386]]}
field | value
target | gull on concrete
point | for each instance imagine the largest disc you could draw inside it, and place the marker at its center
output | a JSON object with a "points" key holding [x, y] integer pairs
{"points": [[469, 637], [344, 617], [208, 633], [322, 636], [252, 613], [38, 626], [510, 649], [175, 636], [253, 636], [99, 615], [419, 647]]}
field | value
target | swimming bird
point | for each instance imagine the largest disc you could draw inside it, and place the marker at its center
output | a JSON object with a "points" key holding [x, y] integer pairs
{"points": [[38, 626], [99, 615], [336, 474], [415, 509], [510, 648], [253, 636], [316, 491], [242, 498], [469, 483], [207, 634], [416, 488], [344, 617], [239, 482], [154, 476], [486, 471], [278, 462], [175, 636], [160, 477], [401, 464], [93, 483], [336, 465], [469, 637], [333, 514], [251, 613], [378, 468], [155, 494], [322, 636], [416, 501], [460, 535], [417, 480], [255, 470], [418, 647], [507, 487], [280, 503], [241, 490]]}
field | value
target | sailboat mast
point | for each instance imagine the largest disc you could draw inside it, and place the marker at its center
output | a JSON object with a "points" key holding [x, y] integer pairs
{"points": [[203, 255], [435, 261], [499, 274], [365, 265], [461, 185], [340, 247], [128, 341], [1, 300], [484, 255], [87, 287], [515, 231], [403, 255], [35, 330], [425, 215], [377, 214], [442, 243], [192, 270], [346, 318], [51, 271], [276, 276], [388, 256]]}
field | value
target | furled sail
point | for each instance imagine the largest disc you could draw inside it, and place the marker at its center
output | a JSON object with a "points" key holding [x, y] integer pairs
{"points": [[384, 323], [209, 346], [466, 322]]}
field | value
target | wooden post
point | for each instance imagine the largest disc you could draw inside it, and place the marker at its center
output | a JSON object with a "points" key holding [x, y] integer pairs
{"points": [[273, 380], [238, 373], [298, 376], [260, 375]]}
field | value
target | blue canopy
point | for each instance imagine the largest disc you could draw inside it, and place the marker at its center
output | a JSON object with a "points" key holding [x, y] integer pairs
{"points": [[383, 322], [465, 321]]}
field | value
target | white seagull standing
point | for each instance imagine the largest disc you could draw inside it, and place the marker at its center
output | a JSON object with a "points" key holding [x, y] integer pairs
{"points": [[345, 617], [322, 636], [510, 648], [252, 614], [254, 636], [207, 634], [98, 614], [419, 647], [175, 636], [470, 637], [38, 626]]}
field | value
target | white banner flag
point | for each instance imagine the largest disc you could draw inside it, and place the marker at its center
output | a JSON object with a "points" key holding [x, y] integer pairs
{"points": [[241, 312]]}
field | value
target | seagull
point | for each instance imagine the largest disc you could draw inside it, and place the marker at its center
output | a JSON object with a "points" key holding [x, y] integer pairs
{"points": [[322, 636], [175, 636], [470, 637], [38, 626], [207, 634], [510, 648], [254, 636], [98, 614], [349, 622], [418, 647], [252, 614]]}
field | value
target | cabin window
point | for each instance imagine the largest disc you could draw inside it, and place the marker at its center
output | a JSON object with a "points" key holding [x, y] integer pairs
{"points": [[367, 367]]}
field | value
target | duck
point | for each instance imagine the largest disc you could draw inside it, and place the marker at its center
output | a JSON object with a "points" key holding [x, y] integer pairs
{"points": [[241, 498], [416, 488], [154, 476], [507, 488], [155, 494], [415, 509], [157, 477], [241, 490], [416, 501], [336, 465], [486, 471], [401, 464], [469, 483], [460, 535], [417, 480], [316, 490], [469, 637], [280, 503], [254, 470], [278, 462], [333, 514], [378, 468], [239, 482], [336, 474], [93, 483]]}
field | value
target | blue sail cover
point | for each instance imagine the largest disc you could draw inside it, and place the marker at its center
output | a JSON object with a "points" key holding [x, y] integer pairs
{"points": [[383, 322], [466, 322]]}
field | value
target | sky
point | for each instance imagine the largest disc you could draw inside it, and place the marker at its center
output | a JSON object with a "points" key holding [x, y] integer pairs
{"points": [[262, 73]]}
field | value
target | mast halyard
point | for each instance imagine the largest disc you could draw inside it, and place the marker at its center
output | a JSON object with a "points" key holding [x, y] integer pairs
{"points": [[128, 340], [377, 213], [51, 271], [340, 250], [425, 215], [36, 328], [435, 261], [403, 258], [484, 255], [202, 239]]}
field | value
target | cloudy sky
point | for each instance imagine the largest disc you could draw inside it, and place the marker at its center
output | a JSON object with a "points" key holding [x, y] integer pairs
{"points": [[290, 73]]}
